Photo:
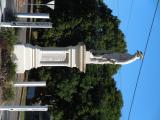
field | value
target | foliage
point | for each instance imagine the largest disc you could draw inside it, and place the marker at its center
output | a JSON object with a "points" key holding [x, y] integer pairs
{"points": [[9, 36], [7, 41], [79, 20], [8, 92], [82, 96], [11, 70]]}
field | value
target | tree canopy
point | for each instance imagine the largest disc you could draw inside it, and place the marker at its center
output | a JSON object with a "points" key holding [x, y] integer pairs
{"points": [[82, 96]]}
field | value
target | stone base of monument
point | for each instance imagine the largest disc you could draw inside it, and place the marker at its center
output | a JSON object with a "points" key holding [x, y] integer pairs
{"points": [[27, 57]]}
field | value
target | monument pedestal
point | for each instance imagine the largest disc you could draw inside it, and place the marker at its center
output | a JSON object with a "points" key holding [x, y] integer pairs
{"points": [[27, 57]]}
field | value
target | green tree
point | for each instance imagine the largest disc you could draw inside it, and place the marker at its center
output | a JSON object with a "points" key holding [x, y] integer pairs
{"points": [[83, 96]]}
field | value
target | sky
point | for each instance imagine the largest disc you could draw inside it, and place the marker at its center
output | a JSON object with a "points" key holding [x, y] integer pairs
{"points": [[136, 27]]}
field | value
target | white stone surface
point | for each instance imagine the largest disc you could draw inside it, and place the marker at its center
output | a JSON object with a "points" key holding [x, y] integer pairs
{"points": [[24, 108], [113, 58], [27, 57], [29, 84], [51, 4], [26, 24], [33, 15], [54, 57]]}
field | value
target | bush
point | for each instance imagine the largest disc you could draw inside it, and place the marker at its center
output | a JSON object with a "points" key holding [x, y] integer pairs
{"points": [[9, 36], [11, 71], [7, 40], [8, 92]]}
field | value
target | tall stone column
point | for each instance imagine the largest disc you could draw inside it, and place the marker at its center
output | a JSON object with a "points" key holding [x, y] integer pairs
{"points": [[15, 24], [29, 84], [24, 108], [33, 15]]}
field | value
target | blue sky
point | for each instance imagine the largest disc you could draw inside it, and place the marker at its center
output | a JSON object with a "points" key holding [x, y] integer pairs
{"points": [[147, 100]]}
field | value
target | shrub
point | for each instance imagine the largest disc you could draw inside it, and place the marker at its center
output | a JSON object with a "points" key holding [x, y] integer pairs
{"points": [[11, 71], [8, 92], [9, 36]]}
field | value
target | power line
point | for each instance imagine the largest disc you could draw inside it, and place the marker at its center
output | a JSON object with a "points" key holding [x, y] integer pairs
{"points": [[140, 69]]}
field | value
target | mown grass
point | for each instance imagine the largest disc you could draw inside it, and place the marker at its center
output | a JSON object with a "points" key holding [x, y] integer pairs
{"points": [[22, 115]]}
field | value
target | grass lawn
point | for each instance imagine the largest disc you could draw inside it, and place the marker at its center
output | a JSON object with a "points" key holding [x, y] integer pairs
{"points": [[22, 115]]}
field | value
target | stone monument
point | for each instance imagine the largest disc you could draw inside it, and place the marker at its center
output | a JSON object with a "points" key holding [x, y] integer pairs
{"points": [[27, 57]]}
